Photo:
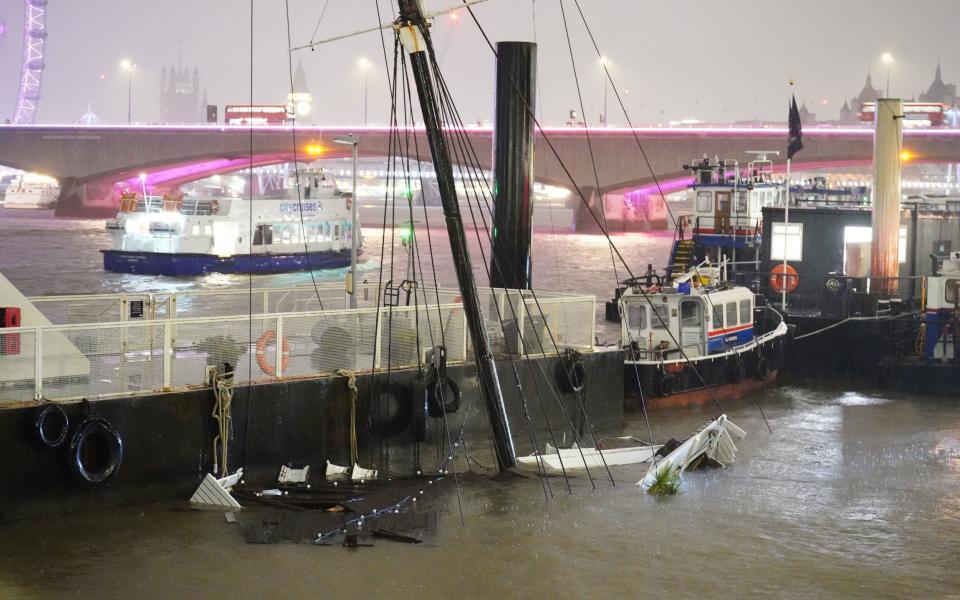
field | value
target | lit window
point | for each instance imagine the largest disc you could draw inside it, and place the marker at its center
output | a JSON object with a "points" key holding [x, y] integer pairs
{"points": [[787, 241], [856, 249], [195, 230], [741, 202]]}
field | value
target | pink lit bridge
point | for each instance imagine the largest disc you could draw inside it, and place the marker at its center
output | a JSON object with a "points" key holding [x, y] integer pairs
{"points": [[90, 160]]}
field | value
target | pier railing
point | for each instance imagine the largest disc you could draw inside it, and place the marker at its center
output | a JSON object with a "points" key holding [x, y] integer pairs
{"points": [[152, 349]]}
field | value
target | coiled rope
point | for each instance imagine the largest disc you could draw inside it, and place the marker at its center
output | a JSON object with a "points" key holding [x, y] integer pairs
{"points": [[354, 392], [223, 392]]}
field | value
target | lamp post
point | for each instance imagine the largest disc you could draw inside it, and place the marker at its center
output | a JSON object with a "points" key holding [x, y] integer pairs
{"points": [[887, 60], [605, 63], [364, 65], [128, 66], [352, 140]]}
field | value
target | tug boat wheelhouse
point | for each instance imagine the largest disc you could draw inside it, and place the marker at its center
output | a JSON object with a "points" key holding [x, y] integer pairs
{"points": [[698, 331], [178, 236]]}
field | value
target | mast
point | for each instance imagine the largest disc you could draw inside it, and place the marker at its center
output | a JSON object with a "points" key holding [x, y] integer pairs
{"points": [[513, 165], [887, 141], [413, 29]]}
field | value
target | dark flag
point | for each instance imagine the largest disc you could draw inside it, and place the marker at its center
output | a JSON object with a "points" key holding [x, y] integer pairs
{"points": [[795, 144]]}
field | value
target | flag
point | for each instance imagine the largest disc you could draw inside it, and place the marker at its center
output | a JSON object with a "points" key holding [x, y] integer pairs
{"points": [[795, 143]]}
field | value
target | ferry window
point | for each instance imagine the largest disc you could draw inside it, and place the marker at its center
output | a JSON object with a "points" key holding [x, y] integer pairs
{"points": [[195, 230], [263, 234], [741, 202], [787, 241], [336, 232], [208, 230], [745, 312], [636, 316], [286, 235], [950, 291], [704, 202], [731, 314], [660, 317], [754, 203]]}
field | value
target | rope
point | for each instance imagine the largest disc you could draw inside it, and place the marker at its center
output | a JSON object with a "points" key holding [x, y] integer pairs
{"points": [[848, 319], [223, 392], [354, 392]]}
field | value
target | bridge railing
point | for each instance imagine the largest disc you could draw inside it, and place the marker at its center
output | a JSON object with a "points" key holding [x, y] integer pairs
{"points": [[102, 359]]}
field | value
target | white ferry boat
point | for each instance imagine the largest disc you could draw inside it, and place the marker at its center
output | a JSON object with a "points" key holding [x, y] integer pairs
{"points": [[32, 191], [178, 236]]}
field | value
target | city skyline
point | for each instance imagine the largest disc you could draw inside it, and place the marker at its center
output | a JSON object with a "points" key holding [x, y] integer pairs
{"points": [[748, 81]]}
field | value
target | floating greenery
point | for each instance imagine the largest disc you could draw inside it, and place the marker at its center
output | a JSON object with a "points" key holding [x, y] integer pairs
{"points": [[666, 482]]}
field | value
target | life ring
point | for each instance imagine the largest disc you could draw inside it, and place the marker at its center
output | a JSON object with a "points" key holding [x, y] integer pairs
{"points": [[570, 374], [96, 452], [52, 426], [784, 277], [265, 340], [667, 384], [443, 403]]}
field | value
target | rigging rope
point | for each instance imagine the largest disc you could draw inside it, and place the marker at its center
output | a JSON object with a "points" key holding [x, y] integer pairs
{"points": [[354, 391], [222, 414]]}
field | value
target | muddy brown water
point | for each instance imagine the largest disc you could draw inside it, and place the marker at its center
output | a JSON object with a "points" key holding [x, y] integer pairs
{"points": [[854, 494]]}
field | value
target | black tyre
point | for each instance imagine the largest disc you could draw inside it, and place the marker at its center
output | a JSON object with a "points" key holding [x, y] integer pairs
{"points": [[96, 452]]}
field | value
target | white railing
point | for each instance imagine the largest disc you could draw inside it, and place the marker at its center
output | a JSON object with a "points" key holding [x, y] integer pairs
{"points": [[162, 351]]}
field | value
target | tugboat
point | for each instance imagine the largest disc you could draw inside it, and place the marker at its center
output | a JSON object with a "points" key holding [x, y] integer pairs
{"points": [[188, 236], [699, 331]]}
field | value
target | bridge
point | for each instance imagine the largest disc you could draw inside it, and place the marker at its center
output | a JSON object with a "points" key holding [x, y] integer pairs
{"points": [[90, 160]]}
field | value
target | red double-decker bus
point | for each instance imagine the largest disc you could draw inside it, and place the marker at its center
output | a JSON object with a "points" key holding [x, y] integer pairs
{"points": [[915, 114], [255, 114]]}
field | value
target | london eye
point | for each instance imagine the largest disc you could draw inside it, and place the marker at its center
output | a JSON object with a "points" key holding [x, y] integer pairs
{"points": [[33, 63]]}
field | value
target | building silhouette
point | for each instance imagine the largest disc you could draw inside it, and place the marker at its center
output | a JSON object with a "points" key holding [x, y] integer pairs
{"points": [[180, 96], [940, 91], [850, 111]]}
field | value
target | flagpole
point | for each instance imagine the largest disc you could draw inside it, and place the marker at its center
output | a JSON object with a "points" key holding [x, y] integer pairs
{"points": [[786, 226]]}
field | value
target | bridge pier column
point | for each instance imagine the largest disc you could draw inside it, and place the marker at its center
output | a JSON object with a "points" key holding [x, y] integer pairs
{"points": [[92, 200]]}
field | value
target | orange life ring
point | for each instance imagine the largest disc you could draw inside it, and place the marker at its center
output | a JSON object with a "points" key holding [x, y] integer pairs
{"points": [[265, 340], [784, 277]]}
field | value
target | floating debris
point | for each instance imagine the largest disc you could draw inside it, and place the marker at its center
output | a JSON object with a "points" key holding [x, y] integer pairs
{"points": [[714, 441], [215, 492]]}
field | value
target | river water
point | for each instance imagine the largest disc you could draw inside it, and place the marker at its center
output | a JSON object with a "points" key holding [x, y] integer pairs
{"points": [[853, 494]]}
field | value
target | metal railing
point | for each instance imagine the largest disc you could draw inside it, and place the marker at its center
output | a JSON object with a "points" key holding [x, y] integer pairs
{"points": [[162, 350]]}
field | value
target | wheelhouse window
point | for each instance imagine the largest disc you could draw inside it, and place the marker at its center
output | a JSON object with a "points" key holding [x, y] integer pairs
{"points": [[704, 202], [742, 203], [787, 241], [636, 316], [746, 312], [660, 316], [731, 314], [723, 202], [950, 291], [717, 316], [689, 315]]}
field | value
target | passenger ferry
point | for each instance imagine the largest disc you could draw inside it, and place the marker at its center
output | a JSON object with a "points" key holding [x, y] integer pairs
{"points": [[32, 191], [183, 236], [696, 332]]}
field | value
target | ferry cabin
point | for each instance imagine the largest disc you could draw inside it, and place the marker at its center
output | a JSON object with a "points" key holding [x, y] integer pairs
{"points": [[221, 226], [704, 321], [939, 334]]}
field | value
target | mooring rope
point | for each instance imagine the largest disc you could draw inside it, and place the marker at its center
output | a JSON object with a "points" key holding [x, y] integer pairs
{"points": [[223, 392], [354, 392]]}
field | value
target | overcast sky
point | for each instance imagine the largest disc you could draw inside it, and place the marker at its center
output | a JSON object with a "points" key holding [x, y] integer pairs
{"points": [[717, 61]]}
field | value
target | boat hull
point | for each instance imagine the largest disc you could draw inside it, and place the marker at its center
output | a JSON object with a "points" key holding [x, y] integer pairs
{"points": [[645, 385], [185, 265]]}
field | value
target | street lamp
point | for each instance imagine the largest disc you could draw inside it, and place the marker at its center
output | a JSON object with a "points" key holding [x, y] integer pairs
{"points": [[128, 66], [887, 60], [352, 140], [364, 66], [605, 63]]}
